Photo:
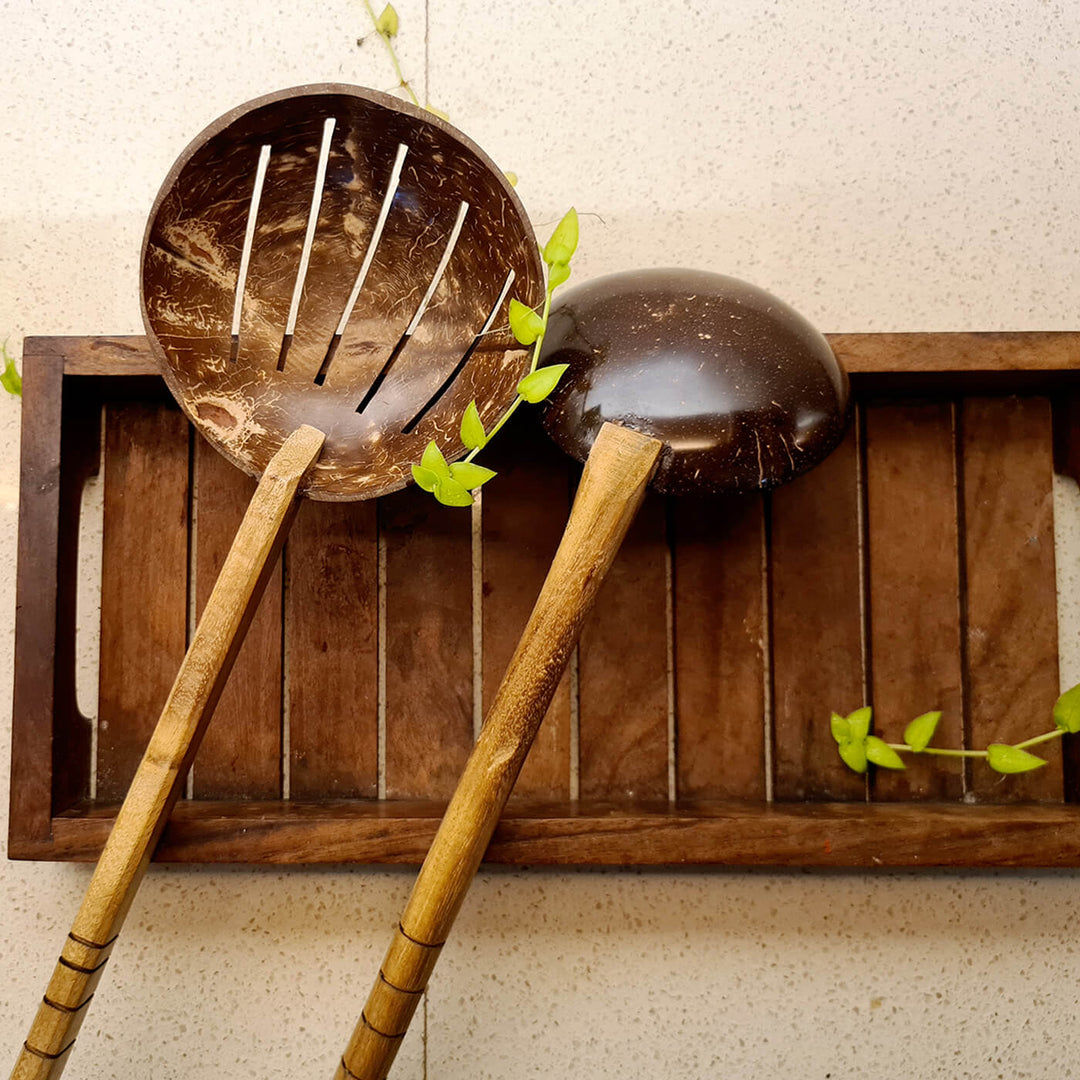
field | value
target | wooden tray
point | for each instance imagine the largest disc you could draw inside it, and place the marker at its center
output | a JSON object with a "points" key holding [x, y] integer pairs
{"points": [[914, 570]]}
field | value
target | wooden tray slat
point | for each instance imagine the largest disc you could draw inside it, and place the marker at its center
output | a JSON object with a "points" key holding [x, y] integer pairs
{"points": [[331, 641], [429, 644], [143, 581], [817, 662], [719, 646], [623, 670], [522, 525], [1011, 592], [914, 583], [240, 756]]}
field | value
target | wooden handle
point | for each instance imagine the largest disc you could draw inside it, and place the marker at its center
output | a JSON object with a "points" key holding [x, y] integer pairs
{"points": [[612, 487], [168, 756]]}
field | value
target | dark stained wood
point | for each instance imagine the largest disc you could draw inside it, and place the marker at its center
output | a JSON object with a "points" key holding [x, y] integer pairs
{"points": [[429, 643], [240, 754], [871, 836], [1011, 632], [913, 576], [332, 630], [524, 514], [719, 647], [34, 707], [622, 681], [817, 664], [930, 352], [144, 575]]}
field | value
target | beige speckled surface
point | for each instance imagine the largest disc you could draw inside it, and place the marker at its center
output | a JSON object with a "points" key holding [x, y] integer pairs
{"points": [[893, 164]]}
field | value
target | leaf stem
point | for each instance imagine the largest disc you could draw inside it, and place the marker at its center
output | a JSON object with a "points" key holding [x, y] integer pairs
{"points": [[940, 751], [1036, 739], [402, 81], [532, 367]]}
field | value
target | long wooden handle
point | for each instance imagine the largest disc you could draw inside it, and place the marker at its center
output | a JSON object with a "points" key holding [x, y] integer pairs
{"points": [[168, 756], [612, 487]]}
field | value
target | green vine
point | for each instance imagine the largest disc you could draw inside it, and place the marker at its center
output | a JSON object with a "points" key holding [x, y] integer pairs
{"points": [[453, 484], [858, 748], [386, 25], [10, 379]]}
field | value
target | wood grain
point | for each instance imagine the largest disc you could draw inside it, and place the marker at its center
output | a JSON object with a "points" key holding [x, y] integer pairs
{"points": [[429, 643], [34, 706], [523, 519], [817, 664], [241, 752], [719, 621], [914, 587], [143, 600], [332, 638], [1011, 617], [623, 670]]}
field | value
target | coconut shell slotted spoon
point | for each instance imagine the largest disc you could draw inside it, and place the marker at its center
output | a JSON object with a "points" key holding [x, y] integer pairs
{"points": [[325, 280], [694, 381]]}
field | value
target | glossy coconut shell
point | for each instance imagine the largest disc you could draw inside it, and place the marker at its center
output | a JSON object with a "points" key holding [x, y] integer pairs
{"points": [[743, 391], [191, 256]]}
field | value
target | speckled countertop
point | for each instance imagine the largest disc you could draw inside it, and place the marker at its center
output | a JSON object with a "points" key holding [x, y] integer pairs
{"points": [[888, 165]]}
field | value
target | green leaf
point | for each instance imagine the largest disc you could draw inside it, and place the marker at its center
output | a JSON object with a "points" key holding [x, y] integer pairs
{"points": [[880, 753], [921, 730], [853, 753], [859, 720], [512, 177], [10, 379], [425, 478], [451, 493], [558, 275], [564, 240], [841, 729], [1011, 759], [473, 434], [541, 382], [525, 324], [470, 476], [1067, 711], [434, 461], [388, 23]]}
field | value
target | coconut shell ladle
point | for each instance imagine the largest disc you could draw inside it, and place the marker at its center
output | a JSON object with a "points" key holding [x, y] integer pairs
{"points": [[321, 273], [694, 381]]}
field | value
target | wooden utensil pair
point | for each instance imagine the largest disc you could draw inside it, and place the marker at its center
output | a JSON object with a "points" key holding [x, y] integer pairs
{"points": [[316, 380]]}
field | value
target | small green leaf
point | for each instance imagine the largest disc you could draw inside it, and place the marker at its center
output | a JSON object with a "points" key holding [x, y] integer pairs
{"points": [[425, 478], [881, 753], [470, 476], [564, 240], [451, 493], [558, 275], [541, 382], [10, 379], [853, 753], [473, 434], [1011, 759], [841, 729], [921, 730], [388, 23], [860, 722], [525, 324], [512, 177], [434, 461], [1067, 711]]}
